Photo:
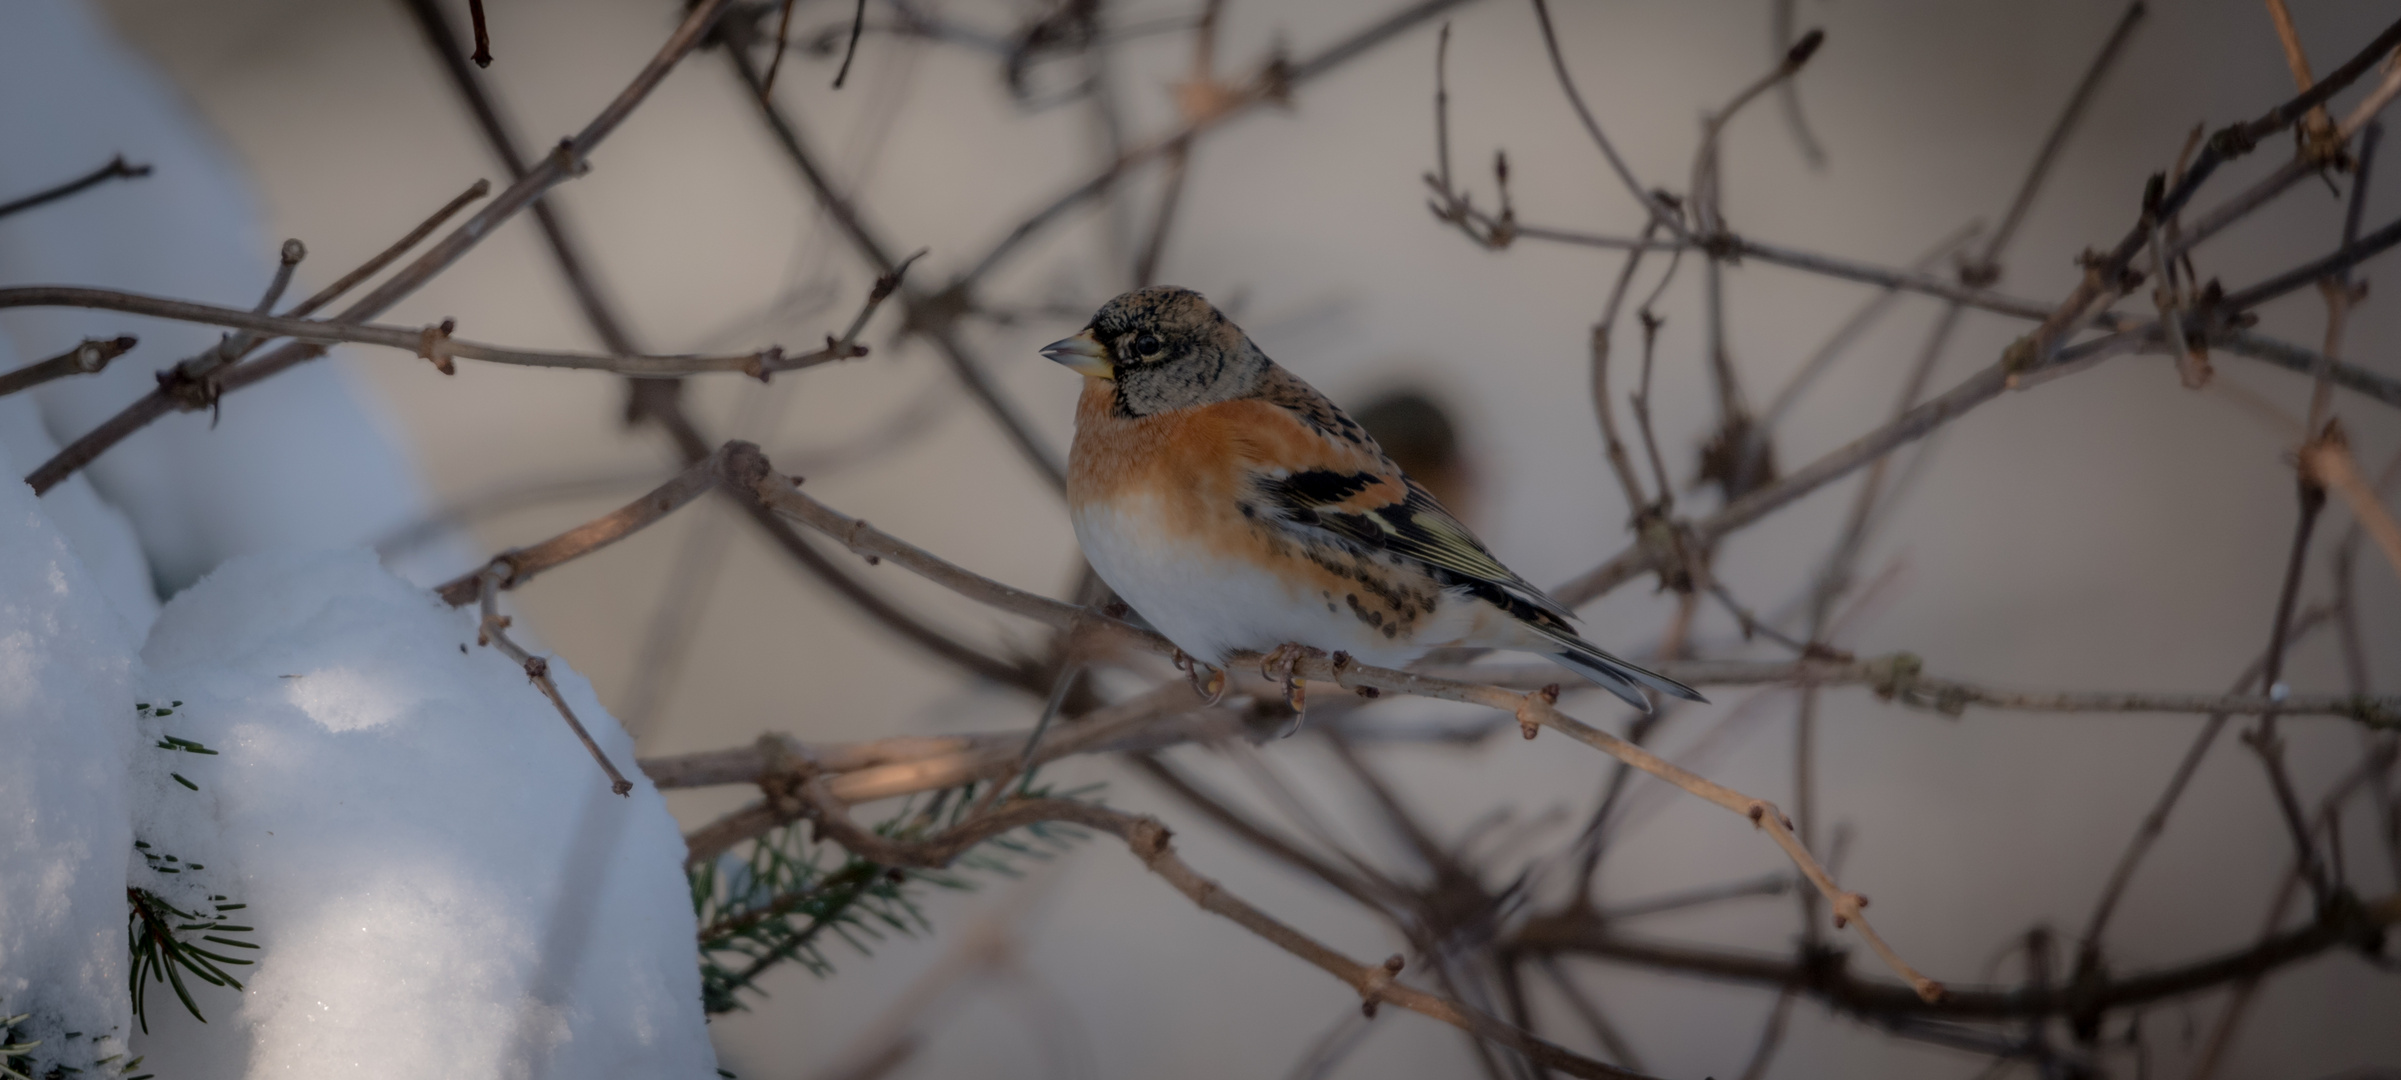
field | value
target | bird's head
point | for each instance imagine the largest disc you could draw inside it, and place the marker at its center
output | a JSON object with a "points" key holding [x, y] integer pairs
{"points": [[1166, 349]]}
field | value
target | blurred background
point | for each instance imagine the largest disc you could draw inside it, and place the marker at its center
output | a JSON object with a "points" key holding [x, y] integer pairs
{"points": [[2112, 530]]}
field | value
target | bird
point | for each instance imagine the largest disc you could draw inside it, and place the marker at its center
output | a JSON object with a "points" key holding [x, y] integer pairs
{"points": [[1238, 510]]}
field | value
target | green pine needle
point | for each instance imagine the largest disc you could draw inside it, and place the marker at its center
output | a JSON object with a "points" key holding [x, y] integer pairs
{"points": [[779, 905], [156, 932]]}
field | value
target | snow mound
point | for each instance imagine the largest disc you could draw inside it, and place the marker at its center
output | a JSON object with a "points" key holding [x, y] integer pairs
{"points": [[440, 881], [99, 534], [67, 681]]}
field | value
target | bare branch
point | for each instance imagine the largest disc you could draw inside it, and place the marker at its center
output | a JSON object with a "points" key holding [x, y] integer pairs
{"points": [[1275, 83], [116, 169], [89, 358], [518, 566], [431, 343], [1149, 841], [491, 632], [2330, 461], [1900, 678], [1660, 212], [2350, 926], [562, 164]]}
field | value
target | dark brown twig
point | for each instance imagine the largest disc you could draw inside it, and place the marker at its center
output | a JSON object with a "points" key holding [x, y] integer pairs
{"points": [[1658, 208], [2337, 264], [483, 36], [783, 39], [501, 138], [1149, 841], [1875, 998], [400, 247], [2155, 822], [1275, 84], [564, 163], [520, 565], [858, 23], [655, 400], [2263, 738], [1198, 97], [115, 169], [1901, 678], [931, 316], [428, 342], [88, 358], [492, 632], [1788, 94], [2087, 88]]}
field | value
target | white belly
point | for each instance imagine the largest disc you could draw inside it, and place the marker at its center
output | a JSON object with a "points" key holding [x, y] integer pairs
{"points": [[1211, 606]]}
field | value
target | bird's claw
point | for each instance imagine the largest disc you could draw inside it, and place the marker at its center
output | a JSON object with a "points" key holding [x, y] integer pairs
{"points": [[1280, 665], [1214, 691]]}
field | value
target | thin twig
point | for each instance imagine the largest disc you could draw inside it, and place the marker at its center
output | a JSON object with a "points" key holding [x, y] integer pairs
{"points": [[520, 565], [2344, 927], [1771, 1037], [1603, 409], [2263, 738], [2330, 461], [1703, 196], [1149, 841], [116, 169], [501, 138], [1901, 678], [1847, 334], [2340, 291], [384, 258], [492, 632], [89, 358], [2087, 88], [432, 343], [1274, 85], [483, 36], [1658, 209], [783, 39], [2316, 124], [562, 164], [931, 316], [1788, 93], [2155, 822], [1200, 96], [850, 52], [2337, 263], [1603, 1031]]}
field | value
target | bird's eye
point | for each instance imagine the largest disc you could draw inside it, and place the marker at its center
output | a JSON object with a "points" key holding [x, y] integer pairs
{"points": [[1146, 345]]}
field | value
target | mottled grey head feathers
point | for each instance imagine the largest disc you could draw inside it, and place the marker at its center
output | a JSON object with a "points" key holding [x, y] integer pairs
{"points": [[1171, 350]]}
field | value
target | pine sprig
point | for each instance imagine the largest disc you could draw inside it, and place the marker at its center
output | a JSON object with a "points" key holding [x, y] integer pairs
{"points": [[779, 905], [165, 941], [17, 1063], [16, 1050]]}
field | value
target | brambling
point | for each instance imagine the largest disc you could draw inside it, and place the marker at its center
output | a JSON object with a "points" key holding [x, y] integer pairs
{"points": [[1238, 510]]}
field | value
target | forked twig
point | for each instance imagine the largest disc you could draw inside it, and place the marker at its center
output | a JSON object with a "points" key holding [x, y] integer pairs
{"points": [[491, 631]]}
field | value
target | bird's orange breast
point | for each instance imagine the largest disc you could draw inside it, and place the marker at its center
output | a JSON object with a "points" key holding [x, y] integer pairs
{"points": [[1199, 461], [1182, 480]]}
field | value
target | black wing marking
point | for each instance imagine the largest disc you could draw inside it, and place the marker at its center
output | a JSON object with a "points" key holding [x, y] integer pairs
{"points": [[1416, 528]]}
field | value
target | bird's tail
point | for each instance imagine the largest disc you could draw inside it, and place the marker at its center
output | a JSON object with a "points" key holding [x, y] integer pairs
{"points": [[1612, 674]]}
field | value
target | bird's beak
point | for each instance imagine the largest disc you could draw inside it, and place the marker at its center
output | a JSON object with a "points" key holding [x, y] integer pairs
{"points": [[1082, 353]]}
